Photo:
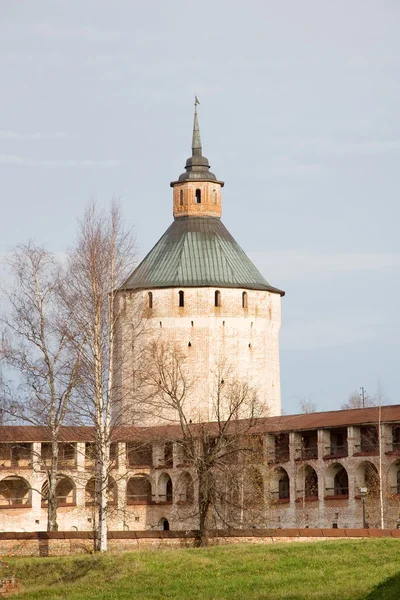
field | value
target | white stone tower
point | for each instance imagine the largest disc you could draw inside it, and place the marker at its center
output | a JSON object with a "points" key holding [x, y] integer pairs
{"points": [[201, 294]]}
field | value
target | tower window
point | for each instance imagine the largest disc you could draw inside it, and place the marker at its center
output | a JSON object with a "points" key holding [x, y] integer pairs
{"points": [[217, 298], [198, 196], [181, 197], [181, 299], [150, 299], [244, 300]]}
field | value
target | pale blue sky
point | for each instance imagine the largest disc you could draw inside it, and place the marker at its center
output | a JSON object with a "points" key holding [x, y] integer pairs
{"points": [[299, 116]]}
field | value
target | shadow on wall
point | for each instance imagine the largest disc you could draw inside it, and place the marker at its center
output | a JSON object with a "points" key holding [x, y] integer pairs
{"points": [[387, 590]]}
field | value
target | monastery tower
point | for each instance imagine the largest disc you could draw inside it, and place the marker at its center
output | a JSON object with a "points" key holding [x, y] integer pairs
{"points": [[199, 293]]}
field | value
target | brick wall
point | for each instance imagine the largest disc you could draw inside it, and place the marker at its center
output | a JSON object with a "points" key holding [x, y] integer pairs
{"points": [[80, 542], [246, 339]]}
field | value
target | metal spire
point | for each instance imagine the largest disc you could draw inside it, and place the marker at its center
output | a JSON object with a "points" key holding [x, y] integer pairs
{"points": [[196, 141]]}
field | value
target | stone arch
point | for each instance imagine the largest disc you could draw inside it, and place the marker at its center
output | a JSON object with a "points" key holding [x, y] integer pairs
{"points": [[394, 478], [90, 491], [336, 480], [15, 491], [65, 491], [367, 476], [165, 488], [307, 483], [138, 490], [163, 524], [280, 484], [184, 488]]}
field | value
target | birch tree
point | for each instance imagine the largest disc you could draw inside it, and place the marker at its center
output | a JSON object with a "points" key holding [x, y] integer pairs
{"points": [[99, 263], [42, 373]]}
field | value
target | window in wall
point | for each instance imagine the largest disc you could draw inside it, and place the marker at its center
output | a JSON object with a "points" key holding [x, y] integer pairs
{"points": [[217, 298], [396, 437], [311, 484], [150, 299], [341, 483], [181, 299], [198, 196], [283, 487], [215, 196], [244, 300], [168, 490], [181, 197]]}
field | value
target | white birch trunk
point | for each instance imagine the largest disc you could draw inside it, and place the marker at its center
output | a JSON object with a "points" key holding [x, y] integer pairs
{"points": [[382, 515]]}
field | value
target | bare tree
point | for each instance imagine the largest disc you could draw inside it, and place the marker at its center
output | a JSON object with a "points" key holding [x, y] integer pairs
{"points": [[99, 263], [307, 405], [356, 401], [223, 454], [35, 350]]}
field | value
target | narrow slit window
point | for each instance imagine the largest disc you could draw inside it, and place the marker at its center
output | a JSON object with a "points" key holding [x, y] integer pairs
{"points": [[215, 196], [198, 196], [244, 300], [150, 299], [217, 299], [181, 198], [181, 299]]}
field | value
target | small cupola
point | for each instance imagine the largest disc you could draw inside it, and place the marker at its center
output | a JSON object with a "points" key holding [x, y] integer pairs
{"points": [[197, 191]]}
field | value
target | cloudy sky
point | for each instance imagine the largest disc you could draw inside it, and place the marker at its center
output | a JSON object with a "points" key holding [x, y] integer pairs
{"points": [[299, 116]]}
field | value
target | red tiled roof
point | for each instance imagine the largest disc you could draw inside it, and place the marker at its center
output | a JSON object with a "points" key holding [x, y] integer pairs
{"points": [[285, 423]]}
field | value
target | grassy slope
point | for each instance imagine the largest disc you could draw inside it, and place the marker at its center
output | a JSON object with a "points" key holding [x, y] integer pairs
{"points": [[330, 570]]}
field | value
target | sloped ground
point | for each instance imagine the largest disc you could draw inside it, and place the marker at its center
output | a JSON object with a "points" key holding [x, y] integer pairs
{"points": [[331, 570]]}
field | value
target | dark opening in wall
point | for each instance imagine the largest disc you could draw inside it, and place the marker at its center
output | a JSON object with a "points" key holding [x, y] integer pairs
{"points": [[217, 299], [181, 197], [150, 299], [198, 196], [244, 300], [181, 299]]}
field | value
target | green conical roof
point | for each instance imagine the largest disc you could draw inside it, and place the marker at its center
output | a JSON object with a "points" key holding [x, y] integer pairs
{"points": [[197, 252]]}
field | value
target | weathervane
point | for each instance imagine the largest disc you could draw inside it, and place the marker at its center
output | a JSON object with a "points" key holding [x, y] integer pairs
{"points": [[196, 101]]}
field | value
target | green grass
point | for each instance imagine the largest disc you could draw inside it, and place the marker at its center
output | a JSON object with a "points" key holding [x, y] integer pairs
{"points": [[329, 570]]}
